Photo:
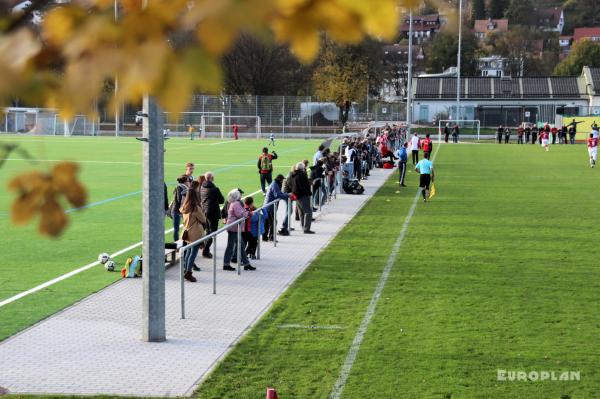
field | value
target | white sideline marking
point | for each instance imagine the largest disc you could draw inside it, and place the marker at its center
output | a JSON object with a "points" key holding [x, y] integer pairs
{"points": [[79, 270], [310, 327], [336, 393], [134, 162]]}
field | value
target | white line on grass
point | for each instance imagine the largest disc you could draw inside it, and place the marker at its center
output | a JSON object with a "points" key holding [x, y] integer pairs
{"points": [[133, 162], [336, 393], [310, 327], [79, 270]]}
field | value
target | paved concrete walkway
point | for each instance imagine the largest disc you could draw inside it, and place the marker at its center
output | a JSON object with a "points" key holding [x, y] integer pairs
{"points": [[94, 346]]}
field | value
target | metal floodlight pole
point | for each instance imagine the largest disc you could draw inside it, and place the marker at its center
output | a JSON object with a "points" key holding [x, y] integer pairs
{"points": [[409, 83], [117, 115], [460, 17], [153, 222], [153, 227]]}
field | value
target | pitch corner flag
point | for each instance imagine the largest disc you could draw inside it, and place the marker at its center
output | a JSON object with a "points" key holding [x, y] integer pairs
{"points": [[432, 191]]}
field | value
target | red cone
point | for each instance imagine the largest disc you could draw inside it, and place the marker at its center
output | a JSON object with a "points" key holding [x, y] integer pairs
{"points": [[271, 394]]}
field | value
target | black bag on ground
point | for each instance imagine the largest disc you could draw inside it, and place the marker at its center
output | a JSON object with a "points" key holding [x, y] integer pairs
{"points": [[352, 186]]}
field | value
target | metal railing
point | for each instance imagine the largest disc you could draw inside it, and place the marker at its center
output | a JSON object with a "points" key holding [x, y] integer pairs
{"points": [[213, 236]]}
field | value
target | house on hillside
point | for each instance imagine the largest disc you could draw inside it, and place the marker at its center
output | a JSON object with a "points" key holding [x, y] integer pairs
{"points": [[549, 19], [494, 66], [424, 27], [396, 56], [564, 43], [592, 34], [484, 27]]}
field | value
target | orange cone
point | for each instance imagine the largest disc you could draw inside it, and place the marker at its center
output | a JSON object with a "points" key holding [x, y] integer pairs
{"points": [[271, 394]]}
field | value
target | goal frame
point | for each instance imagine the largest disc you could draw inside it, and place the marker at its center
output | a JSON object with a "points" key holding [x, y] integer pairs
{"points": [[442, 123], [256, 117], [202, 122]]}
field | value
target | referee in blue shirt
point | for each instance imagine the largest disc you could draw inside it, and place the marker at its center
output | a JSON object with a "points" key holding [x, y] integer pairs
{"points": [[425, 170], [402, 155]]}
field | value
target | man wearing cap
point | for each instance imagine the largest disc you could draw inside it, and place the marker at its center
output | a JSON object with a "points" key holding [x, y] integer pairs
{"points": [[273, 194]]}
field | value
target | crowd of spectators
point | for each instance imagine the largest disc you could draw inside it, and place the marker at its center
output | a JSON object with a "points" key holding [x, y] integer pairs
{"points": [[200, 205]]}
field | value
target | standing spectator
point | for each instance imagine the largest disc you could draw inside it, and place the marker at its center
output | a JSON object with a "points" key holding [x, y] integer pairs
{"points": [[527, 133], [301, 189], [211, 197], [265, 168], [403, 156], [179, 194], [427, 145], [250, 239], [572, 133], [287, 188], [193, 228], [235, 131], [426, 176], [319, 154], [189, 171], [506, 135], [554, 132], [499, 133], [520, 132], [235, 211], [563, 134], [350, 155], [455, 133], [534, 134], [316, 179], [592, 145], [273, 194], [414, 146], [446, 132]]}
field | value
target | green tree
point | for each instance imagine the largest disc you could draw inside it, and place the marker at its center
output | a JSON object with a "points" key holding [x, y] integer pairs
{"points": [[581, 13], [441, 51], [478, 10], [519, 12], [344, 73], [497, 8], [583, 53]]}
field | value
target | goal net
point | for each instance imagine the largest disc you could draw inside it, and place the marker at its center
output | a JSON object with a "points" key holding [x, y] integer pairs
{"points": [[79, 125], [467, 127], [202, 122], [40, 121], [246, 124]]}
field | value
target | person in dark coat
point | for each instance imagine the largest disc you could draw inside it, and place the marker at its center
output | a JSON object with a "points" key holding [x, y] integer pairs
{"points": [[301, 189], [211, 197]]}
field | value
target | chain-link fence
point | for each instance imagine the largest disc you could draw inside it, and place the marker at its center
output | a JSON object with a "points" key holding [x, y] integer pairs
{"points": [[213, 116]]}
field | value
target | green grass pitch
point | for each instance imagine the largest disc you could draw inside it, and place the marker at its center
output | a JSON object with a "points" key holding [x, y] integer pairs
{"points": [[111, 169], [497, 272]]}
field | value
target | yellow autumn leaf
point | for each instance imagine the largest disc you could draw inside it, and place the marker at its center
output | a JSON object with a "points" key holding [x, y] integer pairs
{"points": [[216, 36], [59, 24], [53, 219], [64, 181]]}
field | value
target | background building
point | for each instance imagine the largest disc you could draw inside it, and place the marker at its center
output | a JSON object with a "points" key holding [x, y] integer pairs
{"points": [[507, 101]]}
